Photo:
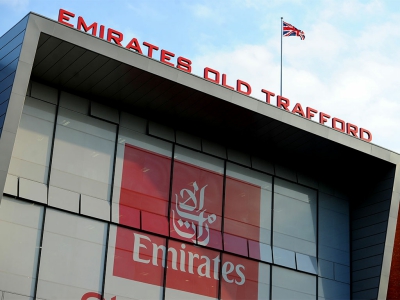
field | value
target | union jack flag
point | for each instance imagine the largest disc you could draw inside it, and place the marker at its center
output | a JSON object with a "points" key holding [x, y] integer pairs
{"points": [[290, 30]]}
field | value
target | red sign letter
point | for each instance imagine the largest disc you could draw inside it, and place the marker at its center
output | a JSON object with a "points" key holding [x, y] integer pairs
{"points": [[311, 112], [184, 64], [64, 15], [134, 45], [352, 129], [268, 95], [82, 24], [224, 82], [362, 131], [282, 102], [215, 72], [239, 85], [298, 109], [116, 36], [151, 48], [323, 117], [166, 56], [343, 124]]}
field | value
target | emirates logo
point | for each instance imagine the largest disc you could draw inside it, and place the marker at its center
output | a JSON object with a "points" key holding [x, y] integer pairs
{"points": [[189, 218]]}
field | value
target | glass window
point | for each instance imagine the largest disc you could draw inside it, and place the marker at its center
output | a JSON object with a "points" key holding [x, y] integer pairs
{"points": [[196, 204], [31, 152], [83, 154], [142, 182], [192, 272], [288, 284], [295, 218], [248, 204], [72, 259], [135, 265], [20, 232], [244, 279]]}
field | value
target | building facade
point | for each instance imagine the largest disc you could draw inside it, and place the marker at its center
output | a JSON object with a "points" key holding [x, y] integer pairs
{"points": [[124, 177]]}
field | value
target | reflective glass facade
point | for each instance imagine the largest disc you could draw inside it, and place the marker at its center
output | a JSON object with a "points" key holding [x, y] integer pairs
{"points": [[131, 209]]}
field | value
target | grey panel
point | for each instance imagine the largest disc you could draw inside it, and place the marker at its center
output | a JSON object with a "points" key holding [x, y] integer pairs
{"points": [[368, 241], [32, 190], [5, 95], [367, 263], [11, 186], [133, 122], [188, 140], [161, 131], [307, 180], [285, 172], [342, 273], [335, 255], [369, 230], [306, 263], [9, 35], [10, 57], [64, 199], [44, 92], [363, 284], [333, 229], [366, 221], [104, 112], [284, 257], [325, 269], [368, 251], [74, 103], [10, 296], [376, 197], [262, 165], [366, 273], [294, 281], [371, 209], [367, 294], [239, 157], [53, 57], [64, 63], [334, 290], [7, 70], [3, 108], [7, 82], [213, 148], [45, 50]]}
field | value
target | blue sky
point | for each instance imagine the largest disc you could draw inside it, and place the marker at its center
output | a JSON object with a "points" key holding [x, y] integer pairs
{"points": [[348, 66]]}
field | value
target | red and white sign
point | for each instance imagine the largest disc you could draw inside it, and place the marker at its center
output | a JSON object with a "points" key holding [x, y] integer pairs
{"points": [[141, 261]]}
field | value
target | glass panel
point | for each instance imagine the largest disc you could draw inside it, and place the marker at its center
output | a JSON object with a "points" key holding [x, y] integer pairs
{"points": [[135, 265], [83, 154], [295, 219], [248, 204], [284, 257], [306, 263], [20, 232], [142, 181], [288, 284], [192, 272], [72, 260], [330, 289], [31, 153], [244, 279], [196, 206]]}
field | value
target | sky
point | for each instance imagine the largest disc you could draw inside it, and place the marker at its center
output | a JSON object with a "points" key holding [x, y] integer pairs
{"points": [[348, 65]]}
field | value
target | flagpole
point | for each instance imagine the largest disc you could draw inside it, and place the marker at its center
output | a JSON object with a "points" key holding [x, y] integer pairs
{"points": [[281, 50]]}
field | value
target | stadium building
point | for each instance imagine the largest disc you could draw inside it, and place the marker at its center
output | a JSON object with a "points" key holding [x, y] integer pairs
{"points": [[124, 176]]}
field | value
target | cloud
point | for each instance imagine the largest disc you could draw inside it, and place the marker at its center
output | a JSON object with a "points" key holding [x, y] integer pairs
{"points": [[352, 78]]}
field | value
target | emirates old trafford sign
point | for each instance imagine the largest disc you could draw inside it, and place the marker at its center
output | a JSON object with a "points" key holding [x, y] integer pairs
{"points": [[184, 64]]}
